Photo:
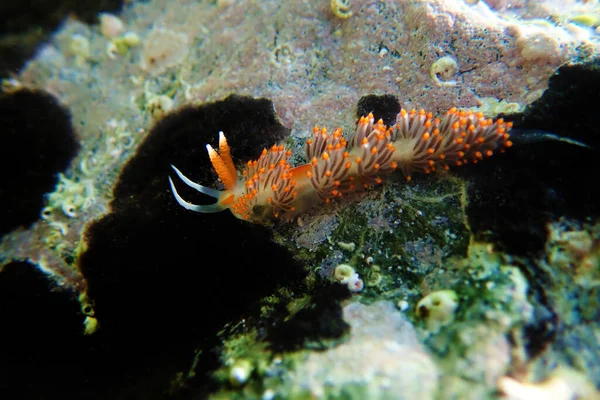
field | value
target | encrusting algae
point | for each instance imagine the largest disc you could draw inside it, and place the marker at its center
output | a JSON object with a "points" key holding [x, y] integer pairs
{"points": [[418, 142]]}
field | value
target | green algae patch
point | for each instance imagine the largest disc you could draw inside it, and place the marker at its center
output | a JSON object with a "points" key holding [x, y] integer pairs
{"points": [[257, 355], [392, 236], [492, 304]]}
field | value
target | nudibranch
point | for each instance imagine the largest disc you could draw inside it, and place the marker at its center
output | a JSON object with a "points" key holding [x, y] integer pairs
{"points": [[418, 142]]}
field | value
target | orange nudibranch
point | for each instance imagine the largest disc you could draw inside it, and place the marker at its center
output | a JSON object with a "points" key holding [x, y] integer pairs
{"points": [[418, 142]]}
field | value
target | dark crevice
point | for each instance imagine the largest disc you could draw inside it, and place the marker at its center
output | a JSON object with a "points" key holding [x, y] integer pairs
{"points": [[37, 142]]}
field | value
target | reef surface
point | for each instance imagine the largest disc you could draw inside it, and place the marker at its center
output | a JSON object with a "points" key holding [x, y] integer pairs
{"points": [[482, 281]]}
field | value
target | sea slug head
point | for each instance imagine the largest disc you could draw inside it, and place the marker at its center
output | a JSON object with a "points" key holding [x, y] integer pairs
{"points": [[265, 189]]}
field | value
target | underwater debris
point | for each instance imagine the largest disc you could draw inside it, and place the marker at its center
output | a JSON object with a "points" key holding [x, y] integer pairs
{"points": [[346, 275], [158, 106], [417, 143], [121, 44], [80, 49], [437, 309], [348, 246], [341, 8], [110, 25], [163, 49], [445, 68]]}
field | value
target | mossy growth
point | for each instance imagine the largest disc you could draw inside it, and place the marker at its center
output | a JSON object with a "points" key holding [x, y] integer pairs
{"points": [[242, 350], [257, 354], [484, 281], [493, 303], [393, 235]]}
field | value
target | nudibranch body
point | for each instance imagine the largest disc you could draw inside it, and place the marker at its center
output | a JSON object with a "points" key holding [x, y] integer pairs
{"points": [[418, 142]]}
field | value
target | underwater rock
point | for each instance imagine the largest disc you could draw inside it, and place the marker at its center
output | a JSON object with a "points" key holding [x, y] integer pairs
{"points": [[382, 359], [37, 142], [39, 328], [171, 274], [175, 278], [27, 30], [515, 197], [437, 309], [385, 107]]}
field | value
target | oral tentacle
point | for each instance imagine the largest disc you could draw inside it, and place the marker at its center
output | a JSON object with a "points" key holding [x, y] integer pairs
{"points": [[209, 208], [215, 194]]}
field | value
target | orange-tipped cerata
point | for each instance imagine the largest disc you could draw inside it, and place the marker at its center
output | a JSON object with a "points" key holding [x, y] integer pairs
{"points": [[417, 143], [225, 153], [222, 163]]}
